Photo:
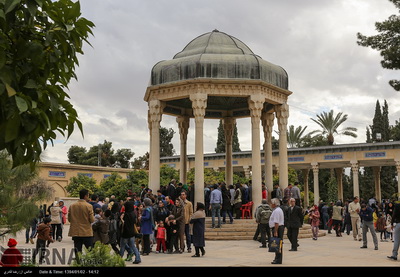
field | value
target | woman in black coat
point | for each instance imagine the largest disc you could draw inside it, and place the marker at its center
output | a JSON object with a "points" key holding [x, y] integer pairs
{"points": [[128, 221], [226, 204], [198, 225]]}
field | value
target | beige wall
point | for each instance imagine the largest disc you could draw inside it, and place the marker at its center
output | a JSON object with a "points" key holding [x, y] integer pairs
{"points": [[58, 175]]}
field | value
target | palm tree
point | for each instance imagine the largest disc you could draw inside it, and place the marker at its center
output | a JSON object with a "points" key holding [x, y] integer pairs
{"points": [[295, 136], [330, 124]]}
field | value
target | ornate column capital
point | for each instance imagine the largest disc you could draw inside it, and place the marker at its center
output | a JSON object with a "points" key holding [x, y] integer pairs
{"points": [[267, 121], [354, 166], [183, 125], [315, 168], [199, 105], [156, 108], [228, 124], [256, 104], [282, 114]]}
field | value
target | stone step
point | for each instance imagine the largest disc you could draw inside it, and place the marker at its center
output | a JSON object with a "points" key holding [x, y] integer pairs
{"points": [[244, 229]]}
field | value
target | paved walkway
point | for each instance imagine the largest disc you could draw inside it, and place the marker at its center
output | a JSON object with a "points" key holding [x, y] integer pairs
{"points": [[328, 251]]}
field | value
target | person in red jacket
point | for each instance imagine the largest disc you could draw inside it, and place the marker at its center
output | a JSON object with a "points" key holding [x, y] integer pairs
{"points": [[11, 257]]}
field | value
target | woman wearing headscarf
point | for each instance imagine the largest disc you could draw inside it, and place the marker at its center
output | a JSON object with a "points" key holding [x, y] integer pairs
{"points": [[128, 220], [180, 221], [197, 224], [315, 216], [147, 225]]}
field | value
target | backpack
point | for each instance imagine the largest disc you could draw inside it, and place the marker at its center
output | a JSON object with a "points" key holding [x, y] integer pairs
{"points": [[381, 224], [265, 214]]}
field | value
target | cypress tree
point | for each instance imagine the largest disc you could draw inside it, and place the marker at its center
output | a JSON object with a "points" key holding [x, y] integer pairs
{"points": [[380, 125], [221, 139]]}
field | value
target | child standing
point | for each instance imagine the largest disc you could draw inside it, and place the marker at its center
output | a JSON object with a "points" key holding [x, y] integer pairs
{"points": [[11, 256], [161, 237], [43, 235], [172, 234], [381, 226]]}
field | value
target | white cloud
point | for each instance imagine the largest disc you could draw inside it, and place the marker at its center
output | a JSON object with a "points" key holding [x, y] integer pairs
{"points": [[315, 41]]}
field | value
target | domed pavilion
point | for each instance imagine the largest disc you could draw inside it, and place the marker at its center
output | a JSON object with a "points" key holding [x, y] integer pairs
{"points": [[217, 76]]}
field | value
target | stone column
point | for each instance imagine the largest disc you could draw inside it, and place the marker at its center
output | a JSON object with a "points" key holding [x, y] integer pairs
{"points": [[183, 125], [356, 186], [256, 104], [377, 181], [267, 121], [398, 178], [154, 119], [339, 179], [315, 169], [228, 124], [282, 114], [246, 172], [306, 189], [199, 104]]}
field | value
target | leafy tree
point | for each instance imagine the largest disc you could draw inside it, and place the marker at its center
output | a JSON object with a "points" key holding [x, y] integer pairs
{"points": [[292, 176], [329, 125], [221, 142], [141, 162], [80, 182], [102, 154], [122, 157], [20, 191], [116, 185], [39, 43], [166, 147], [137, 178], [310, 141], [387, 42], [168, 173], [76, 154]]}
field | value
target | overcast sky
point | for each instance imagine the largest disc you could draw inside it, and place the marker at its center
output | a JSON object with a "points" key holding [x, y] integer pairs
{"points": [[315, 41]]}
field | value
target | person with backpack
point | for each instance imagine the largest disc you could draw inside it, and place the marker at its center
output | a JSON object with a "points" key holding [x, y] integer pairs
{"points": [[381, 226], [263, 214], [43, 235], [294, 222]]}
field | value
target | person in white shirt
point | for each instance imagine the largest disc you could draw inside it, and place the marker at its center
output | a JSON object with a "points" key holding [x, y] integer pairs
{"points": [[277, 225], [354, 211]]}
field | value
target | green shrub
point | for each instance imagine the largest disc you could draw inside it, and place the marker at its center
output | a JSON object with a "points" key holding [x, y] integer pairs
{"points": [[101, 255]]}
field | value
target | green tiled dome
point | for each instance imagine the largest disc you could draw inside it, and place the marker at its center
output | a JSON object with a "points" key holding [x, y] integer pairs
{"points": [[217, 55]]}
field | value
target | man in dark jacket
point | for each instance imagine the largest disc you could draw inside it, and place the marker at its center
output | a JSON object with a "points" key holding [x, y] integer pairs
{"points": [[366, 215], [294, 222], [396, 231]]}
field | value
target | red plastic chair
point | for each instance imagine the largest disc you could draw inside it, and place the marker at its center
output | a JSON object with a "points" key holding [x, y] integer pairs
{"points": [[246, 210]]}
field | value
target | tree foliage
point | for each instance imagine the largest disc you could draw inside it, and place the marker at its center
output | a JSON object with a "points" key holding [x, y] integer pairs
{"points": [[100, 255], [166, 146], [20, 190], [380, 125], [39, 43], [387, 42], [80, 182], [100, 155], [330, 124], [221, 142], [141, 162]]}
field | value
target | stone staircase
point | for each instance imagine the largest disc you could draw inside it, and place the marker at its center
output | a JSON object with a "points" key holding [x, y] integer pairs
{"points": [[244, 229]]}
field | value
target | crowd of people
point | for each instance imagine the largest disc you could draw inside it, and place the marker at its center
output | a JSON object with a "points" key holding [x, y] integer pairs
{"points": [[169, 221]]}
